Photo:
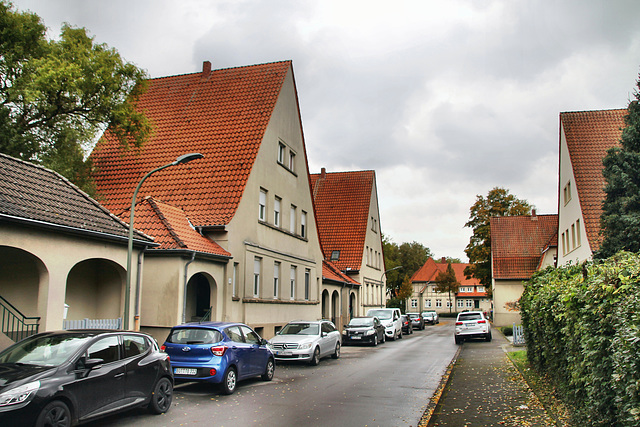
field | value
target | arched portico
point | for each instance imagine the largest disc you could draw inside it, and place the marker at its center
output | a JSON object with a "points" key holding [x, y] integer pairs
{"points": [[95, 289], [336, 317], [200, 296], [326, 307], [23, 276]]}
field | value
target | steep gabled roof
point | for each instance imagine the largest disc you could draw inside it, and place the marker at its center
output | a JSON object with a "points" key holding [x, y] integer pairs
{"points": [[331, 273], [518, 243], [342, 201], [172, 229], [34, 195], [221, 114], [589, 134], [430, 270]]}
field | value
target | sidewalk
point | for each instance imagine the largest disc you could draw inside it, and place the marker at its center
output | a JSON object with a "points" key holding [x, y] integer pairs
{"points": [[483, 388]]}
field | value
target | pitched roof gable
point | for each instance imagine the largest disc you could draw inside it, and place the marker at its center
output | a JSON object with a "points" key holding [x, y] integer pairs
{"points": [[342, 201], [331, 273], [171, 228], [518, 243], [39, 196], [430, 270], [589, 134], [221, 114]]}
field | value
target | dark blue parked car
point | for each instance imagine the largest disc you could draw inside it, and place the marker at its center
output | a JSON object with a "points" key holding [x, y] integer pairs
{"points": [[218, 352]]}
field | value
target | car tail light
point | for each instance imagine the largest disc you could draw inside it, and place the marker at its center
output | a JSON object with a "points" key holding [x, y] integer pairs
{"points": [[459, 323], [218, 350], [163, 347], [212, 372], [482, 321]]}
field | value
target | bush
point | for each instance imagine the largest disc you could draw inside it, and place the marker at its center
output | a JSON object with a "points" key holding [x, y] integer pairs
{"points": [[507, 331], [582, 327]]}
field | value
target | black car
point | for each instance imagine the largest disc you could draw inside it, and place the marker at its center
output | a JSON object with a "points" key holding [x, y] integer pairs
{"points": [[363, 330], [407, 327], [66, 377]]}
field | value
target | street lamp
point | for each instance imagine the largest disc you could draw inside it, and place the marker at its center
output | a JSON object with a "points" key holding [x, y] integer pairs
{"points": [[381, 292], [185, 158]]}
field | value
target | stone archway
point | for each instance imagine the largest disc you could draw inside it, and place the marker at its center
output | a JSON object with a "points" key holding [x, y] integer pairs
{"points": [[22, 276], [336, 317], [352, 305], [326, 308]]}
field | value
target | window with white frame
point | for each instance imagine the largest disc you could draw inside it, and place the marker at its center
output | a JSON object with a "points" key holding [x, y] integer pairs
{"points": [[257, 267], [292, 161], [276, 211], [262, 206], [307, 284], [276, 279], [438, 303], [427, 303], [303, 224], [460, 303], [292, 219], [480, 288], [414, 303], [578, 236], [469, 303], [567, 193], [292, 282], [234, 280], [282, 149]]}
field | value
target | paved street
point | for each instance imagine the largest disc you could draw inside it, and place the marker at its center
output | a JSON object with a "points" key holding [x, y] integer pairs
{"points": [[389, 385]]}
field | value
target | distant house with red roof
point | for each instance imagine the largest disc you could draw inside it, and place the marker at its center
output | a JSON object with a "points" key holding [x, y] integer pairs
{"points": [[348, 220], [237, 227], [471, 294], [520, 246], [585, 137]]}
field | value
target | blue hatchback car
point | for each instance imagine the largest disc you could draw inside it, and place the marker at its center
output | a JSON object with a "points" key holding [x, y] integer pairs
{"points": [[218, 352]]}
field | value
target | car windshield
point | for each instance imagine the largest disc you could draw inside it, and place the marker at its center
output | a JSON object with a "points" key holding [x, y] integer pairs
{"points": [[300, 329], [362, 321], [469, 316], [49, 350], [194, 336], [380, 314]]}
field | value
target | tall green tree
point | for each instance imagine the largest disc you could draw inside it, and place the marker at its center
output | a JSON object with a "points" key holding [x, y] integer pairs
{"points": [[620, 219], [447, 282], [497, 203], [411, 256], [58, 96]]}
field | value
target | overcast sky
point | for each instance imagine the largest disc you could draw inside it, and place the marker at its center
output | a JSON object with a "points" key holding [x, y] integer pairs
{"points": [[443, 99]]}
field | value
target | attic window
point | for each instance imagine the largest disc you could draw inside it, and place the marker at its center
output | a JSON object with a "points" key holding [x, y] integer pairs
{"points": [[335, 255], [567, 193]]}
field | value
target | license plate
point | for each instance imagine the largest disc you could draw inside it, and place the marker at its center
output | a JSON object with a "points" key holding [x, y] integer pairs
{"points": [[185, 371], [283, 353], [355, 338]]}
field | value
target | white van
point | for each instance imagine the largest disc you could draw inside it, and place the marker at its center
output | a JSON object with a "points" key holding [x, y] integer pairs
{"points": [[390, 318]]}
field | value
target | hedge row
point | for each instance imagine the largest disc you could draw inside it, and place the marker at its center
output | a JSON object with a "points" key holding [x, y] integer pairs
{"points": [[582, 327]]}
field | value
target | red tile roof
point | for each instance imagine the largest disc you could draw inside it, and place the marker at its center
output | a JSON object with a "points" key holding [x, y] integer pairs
{"points": [[589, 135], [221, 114], [518, 242], [430, 270], [332, 273], [171, 228], [342, 201]]}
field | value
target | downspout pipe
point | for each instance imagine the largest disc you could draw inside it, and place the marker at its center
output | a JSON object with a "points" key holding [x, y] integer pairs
{"points": [[136, 317], [184, 295]]}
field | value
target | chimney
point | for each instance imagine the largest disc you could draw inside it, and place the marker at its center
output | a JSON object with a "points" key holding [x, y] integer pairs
{"points": [[443, 260], [323, 173], [206, 69], [534, 217]]}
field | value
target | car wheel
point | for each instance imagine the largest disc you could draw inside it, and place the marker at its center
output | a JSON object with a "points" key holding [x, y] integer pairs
{"points": [[488, 337], [161, 397], [384, 338], [400, 334], [315, 359], [55, 413], [375, 340], [458, 340], [230, 381], [336, 354], [269, 370]]}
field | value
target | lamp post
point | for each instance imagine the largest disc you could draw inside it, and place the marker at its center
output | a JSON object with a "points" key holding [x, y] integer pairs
{"points": [[185, 158], [381, 287]]}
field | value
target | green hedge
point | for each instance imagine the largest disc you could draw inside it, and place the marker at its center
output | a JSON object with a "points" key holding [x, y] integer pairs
{"points": [[582, 328]]}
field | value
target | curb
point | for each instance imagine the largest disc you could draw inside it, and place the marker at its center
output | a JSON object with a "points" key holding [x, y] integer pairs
{"points": [[437, 395]]}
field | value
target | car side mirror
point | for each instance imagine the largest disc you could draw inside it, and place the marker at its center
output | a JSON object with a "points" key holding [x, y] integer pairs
{"points": [[263, 341], [323, 334], [93, 363]]}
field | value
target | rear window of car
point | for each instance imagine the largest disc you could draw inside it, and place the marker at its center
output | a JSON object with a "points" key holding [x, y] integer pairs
{"points": [[194, 336], [470, 316], [414, 316]]}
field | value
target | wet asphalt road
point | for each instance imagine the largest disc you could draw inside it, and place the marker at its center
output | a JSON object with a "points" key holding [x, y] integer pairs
{"points": [[388, 385]]}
